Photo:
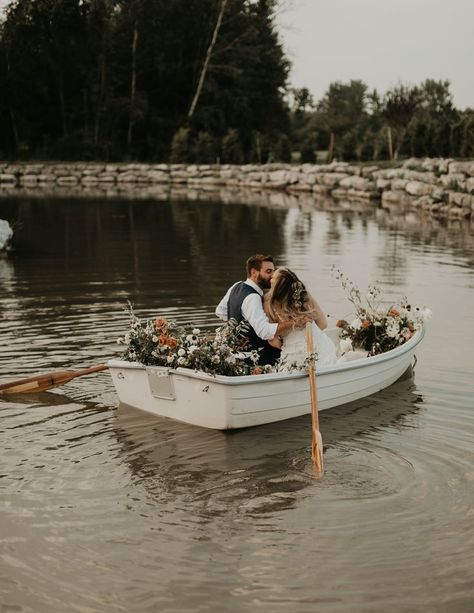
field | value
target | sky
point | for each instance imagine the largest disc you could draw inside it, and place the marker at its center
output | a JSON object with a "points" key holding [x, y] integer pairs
{"points": [[381, 42]]}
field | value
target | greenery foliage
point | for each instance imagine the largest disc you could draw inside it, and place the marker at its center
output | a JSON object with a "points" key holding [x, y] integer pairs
{"points": [[115, 79], [407, 121]]}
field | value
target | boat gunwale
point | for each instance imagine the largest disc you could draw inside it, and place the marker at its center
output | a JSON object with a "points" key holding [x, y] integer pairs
{"points": [[283, 376]]}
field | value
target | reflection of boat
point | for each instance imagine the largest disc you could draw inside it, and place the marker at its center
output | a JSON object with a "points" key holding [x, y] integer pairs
{"points": [[256, 469], [226, 403]]}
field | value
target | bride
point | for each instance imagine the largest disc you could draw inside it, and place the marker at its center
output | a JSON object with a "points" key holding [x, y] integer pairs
{"points": [[289, 300]]}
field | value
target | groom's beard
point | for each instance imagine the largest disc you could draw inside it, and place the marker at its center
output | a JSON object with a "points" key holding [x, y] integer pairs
{"points": [[263, 283]]}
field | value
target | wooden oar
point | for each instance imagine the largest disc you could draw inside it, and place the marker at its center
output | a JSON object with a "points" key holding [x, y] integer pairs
{"points": [[44, 382], [317, 440]]}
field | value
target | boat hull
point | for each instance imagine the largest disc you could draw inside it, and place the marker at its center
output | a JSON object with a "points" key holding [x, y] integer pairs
{"points": [[226, 403]]}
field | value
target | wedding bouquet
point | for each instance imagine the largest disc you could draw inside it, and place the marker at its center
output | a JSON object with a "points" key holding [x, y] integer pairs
{"points": [[376, 327]]}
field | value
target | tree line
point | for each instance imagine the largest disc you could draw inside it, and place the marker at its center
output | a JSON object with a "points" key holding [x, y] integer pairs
{"points": [[193, 81], [353, 123]]}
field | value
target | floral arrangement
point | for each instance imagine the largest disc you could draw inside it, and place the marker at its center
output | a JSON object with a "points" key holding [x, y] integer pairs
{"points": [[160, 342], [376, 327]]}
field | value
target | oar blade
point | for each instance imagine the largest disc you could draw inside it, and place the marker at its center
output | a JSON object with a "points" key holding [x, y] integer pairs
{"points": [[44, 382], [317, 453], [36, 384]]}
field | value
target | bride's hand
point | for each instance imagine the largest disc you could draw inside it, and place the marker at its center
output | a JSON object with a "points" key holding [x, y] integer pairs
{"points": [[301, 322], [276, 342]]}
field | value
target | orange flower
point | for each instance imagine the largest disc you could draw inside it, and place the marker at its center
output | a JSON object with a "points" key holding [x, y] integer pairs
{"points": [[257, 370], [365, 324], [163, 340], [172, 342], [394, 313], [340, 323], [161, 324]]}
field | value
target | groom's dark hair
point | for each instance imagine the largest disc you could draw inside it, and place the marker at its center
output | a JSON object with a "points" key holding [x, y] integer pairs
{"points": [[255, 261]]}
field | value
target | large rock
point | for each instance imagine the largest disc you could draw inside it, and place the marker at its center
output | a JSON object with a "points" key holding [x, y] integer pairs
{"points": [[460, 199], [398, 184], [418, 188], [6, 234], [453, 180], [391, 173], [7, 178], [357, 183], [465, 167], [330, 179], [424, 177], [396, 197]]}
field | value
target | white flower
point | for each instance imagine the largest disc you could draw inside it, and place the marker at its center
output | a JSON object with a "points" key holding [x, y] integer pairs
{"points": [[190, 337], [215, 359], [170, 359], [181, 361], [181, 352], [192, 349], [196, 331], [426, 313], [120, 341], [230, 359], [356, 324], [392, 328], [154, 339], [127, 338], [345, 345]]}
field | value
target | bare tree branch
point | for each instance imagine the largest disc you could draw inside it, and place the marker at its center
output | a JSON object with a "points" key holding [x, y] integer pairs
{"points": [[205, 66]]}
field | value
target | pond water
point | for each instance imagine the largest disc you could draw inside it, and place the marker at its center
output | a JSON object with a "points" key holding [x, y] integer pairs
{"points": [[110, 509]]}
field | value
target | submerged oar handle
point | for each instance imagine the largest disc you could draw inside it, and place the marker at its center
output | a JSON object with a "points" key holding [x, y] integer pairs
{"points": [[41, 383], [317, 441]]}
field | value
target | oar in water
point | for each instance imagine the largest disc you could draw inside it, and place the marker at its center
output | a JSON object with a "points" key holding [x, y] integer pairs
{"points": [[45, 382], [317, 440]]}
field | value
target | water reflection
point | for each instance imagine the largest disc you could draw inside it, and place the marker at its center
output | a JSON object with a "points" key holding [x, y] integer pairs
{"points": [[257, 470], [140, 244]]}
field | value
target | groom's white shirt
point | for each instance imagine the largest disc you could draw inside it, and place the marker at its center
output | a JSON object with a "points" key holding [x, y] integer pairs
{"points": [[252, 311]]}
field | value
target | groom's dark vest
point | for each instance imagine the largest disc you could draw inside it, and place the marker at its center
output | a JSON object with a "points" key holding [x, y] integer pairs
{"points": [[234, 310], [267, 353]]}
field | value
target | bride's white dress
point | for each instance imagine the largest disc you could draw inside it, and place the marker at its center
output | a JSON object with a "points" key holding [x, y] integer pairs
{"points": [[294, 349]]}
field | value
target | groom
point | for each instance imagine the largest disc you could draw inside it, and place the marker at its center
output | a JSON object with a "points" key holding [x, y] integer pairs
{"points": [[244, 302]]}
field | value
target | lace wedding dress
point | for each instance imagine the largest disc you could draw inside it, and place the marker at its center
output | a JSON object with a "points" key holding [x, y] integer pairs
{"points": [[294, 349]]}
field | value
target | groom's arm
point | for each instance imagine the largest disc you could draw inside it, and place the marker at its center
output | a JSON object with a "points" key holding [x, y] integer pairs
{"points": [[252, 310], [221, 309]]}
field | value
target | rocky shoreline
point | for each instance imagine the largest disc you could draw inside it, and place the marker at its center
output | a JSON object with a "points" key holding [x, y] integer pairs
{"points": [[444, 187]]}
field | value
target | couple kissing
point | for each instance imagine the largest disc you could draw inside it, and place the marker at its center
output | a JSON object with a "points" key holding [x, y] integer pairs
{"points": [[277, 306]]}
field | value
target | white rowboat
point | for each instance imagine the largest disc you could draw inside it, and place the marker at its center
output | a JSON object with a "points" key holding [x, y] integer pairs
{"points": [[227, 403]]}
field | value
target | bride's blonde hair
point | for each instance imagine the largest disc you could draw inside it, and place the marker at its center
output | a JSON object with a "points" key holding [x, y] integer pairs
{"points": [[288, 297]]}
